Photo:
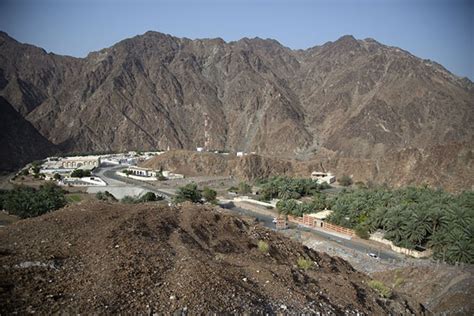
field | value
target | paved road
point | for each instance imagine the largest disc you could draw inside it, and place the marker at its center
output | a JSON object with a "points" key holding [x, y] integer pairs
{"points": [[266, 220], [108, 174]]}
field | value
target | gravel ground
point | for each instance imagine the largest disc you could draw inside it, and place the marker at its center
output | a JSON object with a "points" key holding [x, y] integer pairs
{"points": [[109, 258]]}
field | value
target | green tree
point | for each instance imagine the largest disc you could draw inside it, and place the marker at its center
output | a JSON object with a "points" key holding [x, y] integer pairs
{"points": [[189, 192], [79, 173], [209, 195], [29, 202], [148, 197], [362, 231]]}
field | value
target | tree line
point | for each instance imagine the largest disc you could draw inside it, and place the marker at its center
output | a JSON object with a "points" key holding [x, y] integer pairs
{"points": [[30, 202], [289, 188], [411, 217]]}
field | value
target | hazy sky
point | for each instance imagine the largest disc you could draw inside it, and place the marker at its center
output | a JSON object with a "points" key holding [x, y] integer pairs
{"points": [[441, 30]]}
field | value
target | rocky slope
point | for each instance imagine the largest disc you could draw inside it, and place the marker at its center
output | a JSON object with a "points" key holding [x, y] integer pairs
{"points": [[450, 167], [116, 258], [20, 141], [355, 99], [444, 290]]}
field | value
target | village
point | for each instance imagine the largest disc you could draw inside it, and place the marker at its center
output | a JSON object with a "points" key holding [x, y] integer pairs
{"points": [[122, 175]]}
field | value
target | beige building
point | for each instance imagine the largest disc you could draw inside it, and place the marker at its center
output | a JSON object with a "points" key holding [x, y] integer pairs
{"points": [[83, 162], [319, 218]]}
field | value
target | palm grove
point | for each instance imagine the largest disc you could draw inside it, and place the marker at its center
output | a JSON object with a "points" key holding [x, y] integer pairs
{"points": [[410, 217]]}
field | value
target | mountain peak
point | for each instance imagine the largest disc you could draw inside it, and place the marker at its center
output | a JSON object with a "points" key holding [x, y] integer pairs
{"points": [[346, 38]]}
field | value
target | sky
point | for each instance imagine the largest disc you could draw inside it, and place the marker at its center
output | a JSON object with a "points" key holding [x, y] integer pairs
{"points": [[440, 30]]}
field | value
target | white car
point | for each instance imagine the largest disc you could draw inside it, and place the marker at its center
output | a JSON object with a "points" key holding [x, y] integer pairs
{"points": [[372, 255], [274, 220]]}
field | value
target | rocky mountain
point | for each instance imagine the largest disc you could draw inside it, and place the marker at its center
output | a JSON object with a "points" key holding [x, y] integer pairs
{"points": [[351, 99], [109, 258], [20, 141]]}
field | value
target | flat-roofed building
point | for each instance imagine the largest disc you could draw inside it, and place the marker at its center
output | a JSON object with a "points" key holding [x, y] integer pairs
{"points": [[83, 162], [323, 177], [142, 172]]}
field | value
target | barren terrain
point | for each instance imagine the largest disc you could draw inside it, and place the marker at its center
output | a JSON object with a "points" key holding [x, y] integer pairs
{"points": [[108, 258]]}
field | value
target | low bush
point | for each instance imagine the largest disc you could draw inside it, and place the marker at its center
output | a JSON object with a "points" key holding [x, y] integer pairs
{"points": [[263, 246], [105, 196], [79, 173], [381, 288], [304, 264], [209, 195]]}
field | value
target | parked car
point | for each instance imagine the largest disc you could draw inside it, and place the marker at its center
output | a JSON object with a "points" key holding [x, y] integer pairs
{"points": [[373, 255]]}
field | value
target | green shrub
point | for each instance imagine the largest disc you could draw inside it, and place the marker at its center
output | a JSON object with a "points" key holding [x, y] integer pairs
{"points": [[362, 231], [263, 246], [148, 197], [189, 192], [79, 173], [383, 290], [129, 200], [304, 264], [209, 195], [105, 196]]}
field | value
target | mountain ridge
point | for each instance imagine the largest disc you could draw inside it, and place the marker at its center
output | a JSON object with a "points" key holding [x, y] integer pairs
{"points": [[352, 98]]}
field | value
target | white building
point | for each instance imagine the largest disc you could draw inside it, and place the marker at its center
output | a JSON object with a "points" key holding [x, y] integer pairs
{"points": [[323, 177], [171, 175], [142, 172]]}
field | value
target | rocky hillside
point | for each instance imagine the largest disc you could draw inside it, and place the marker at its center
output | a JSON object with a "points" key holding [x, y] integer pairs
{"points": [[115, 258], [450, 167], [355, 99], [20, 141], [444, 290]]}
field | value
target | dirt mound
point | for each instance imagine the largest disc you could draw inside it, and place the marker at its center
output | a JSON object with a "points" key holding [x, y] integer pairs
{"points": [[443, 290], [99, 257]]}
